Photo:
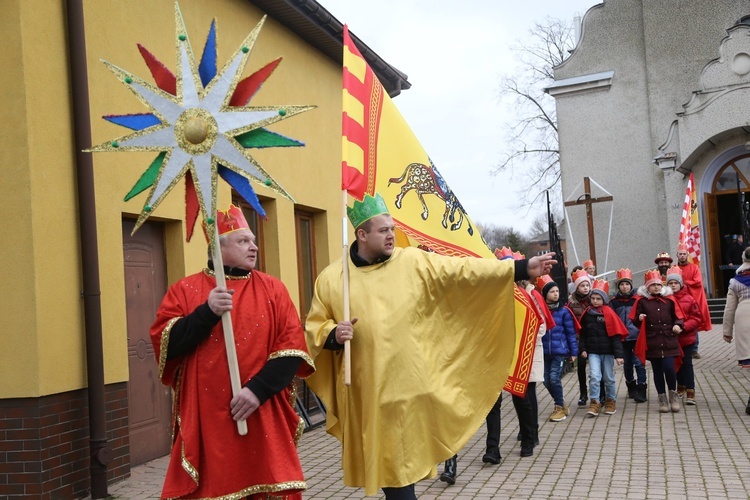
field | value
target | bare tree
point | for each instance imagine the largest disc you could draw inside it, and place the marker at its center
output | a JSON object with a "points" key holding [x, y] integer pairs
{"points": [[540, 224], [500, 236], [531, 142]]}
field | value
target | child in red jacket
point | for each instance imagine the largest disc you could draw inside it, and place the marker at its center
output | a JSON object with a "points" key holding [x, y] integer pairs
{"points": [[693, 319]]}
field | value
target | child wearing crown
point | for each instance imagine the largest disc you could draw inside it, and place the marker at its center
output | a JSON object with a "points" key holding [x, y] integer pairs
{"points": [[600, 343], [659, 318], [622, 303], [689, 335], [578, 301], [559, 343]]}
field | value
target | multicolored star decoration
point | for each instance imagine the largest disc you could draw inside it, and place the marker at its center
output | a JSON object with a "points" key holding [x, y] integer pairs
{"points": [[202, 127]]}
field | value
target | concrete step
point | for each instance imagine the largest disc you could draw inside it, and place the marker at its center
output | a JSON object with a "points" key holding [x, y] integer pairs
{"points": [[716, 309]]}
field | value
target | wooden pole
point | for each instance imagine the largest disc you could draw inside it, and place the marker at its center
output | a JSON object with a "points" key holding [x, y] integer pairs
{"points": [[226, 323], [345, 266], [590, 219], [586, 199]]}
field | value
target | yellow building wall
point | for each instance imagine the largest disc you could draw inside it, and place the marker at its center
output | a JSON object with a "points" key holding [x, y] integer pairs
{"points": [[42, 349]]}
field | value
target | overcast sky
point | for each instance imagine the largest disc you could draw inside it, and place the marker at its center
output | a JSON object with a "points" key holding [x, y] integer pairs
{"points": [[454, 53]]}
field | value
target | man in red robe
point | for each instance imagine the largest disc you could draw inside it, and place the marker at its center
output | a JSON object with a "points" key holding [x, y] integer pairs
{"points": [[691, 277], [209, 457]]}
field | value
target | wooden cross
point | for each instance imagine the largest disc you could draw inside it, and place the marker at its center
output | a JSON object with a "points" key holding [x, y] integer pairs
{"points": [[586, 199]]}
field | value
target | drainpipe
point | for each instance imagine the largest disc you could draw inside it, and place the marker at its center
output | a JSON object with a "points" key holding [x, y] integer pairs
{"points": [[100, 452]]}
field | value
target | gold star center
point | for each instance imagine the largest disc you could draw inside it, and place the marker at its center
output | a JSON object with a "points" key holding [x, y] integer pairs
{"points": [[196, 131]]}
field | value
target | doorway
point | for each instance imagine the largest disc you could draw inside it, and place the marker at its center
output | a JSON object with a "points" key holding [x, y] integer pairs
{"points": [[149, 402], [724, 212]]}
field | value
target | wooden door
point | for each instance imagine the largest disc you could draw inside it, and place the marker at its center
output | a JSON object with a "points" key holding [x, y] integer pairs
{"points": [[149, 402], [714, 246]]}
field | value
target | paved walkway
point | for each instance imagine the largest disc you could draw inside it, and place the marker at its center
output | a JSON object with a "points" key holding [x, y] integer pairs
{"points": [[637, 453]]}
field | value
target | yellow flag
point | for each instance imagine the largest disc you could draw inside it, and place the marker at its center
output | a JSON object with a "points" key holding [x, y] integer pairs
{"points": [[381, 154]]}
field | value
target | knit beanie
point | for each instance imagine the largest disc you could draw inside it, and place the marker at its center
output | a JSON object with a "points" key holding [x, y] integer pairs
{"points": [[601, 288], [579, 277], [601, 293], [547, 288], [674, 274]]}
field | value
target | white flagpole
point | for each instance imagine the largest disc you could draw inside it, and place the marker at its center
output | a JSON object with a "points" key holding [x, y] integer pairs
{"points": [[345, 267]]}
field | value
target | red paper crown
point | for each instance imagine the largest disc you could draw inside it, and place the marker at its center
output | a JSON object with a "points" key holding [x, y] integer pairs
{"points": [[624, 274], [682, 247], [652, 277], [602, 285], [674, 270], [541, 281], [580, 274], [228, 221], [507, 253], [663, 256], [588, 263]]}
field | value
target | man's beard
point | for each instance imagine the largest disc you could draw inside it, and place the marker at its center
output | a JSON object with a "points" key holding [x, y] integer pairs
{"points": [[663, 269]]}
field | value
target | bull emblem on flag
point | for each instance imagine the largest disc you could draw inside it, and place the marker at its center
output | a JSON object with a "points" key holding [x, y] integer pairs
{"points": [[427, 180]]}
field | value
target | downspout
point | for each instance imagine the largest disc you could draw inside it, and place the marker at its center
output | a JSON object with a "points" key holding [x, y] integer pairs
{"points": [[100, 453]]}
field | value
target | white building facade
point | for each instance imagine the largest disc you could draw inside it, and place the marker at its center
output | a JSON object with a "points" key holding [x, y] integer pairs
{"points": [[653, 91]]}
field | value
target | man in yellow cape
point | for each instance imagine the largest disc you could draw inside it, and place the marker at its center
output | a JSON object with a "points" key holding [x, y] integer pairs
{"points": [[432, 339]]}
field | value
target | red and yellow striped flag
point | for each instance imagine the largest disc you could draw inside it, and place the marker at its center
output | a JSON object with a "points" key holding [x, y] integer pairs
{"points": [[380, 153], [690, 234]]}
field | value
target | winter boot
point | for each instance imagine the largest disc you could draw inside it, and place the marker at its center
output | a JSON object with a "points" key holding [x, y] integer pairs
{"points": [[663, 403], [690, 397], [640, 393], [631, 388], [681, 391], [449, 473], [674, 401]]}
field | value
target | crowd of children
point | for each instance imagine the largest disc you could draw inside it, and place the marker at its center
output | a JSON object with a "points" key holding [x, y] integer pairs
{"points": [[657, 322]]}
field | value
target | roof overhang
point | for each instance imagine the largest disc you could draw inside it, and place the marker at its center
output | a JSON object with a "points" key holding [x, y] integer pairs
{"points": [[314, 24], [578, 84]]}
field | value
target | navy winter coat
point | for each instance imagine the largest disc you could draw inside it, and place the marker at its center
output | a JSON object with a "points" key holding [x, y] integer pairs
{"points": [[561, 340], [622, 306]]}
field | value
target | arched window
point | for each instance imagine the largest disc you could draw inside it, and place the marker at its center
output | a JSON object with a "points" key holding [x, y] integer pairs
{"points": [[734, 171]]}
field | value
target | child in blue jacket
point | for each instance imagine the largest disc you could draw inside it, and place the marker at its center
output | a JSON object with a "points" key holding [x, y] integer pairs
{"points": [[559, 343]]}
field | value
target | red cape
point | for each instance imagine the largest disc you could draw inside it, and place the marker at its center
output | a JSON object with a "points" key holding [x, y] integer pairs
{"points": [[612, 321], [640, 344], [209, 459]]}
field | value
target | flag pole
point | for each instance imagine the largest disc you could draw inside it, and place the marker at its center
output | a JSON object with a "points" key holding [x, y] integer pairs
{"points": [[345, 267], [226, 323]]}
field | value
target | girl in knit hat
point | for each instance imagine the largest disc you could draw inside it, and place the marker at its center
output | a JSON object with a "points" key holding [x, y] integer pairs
{"points": [[578, 301], [659, 318], [693, 319]]}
